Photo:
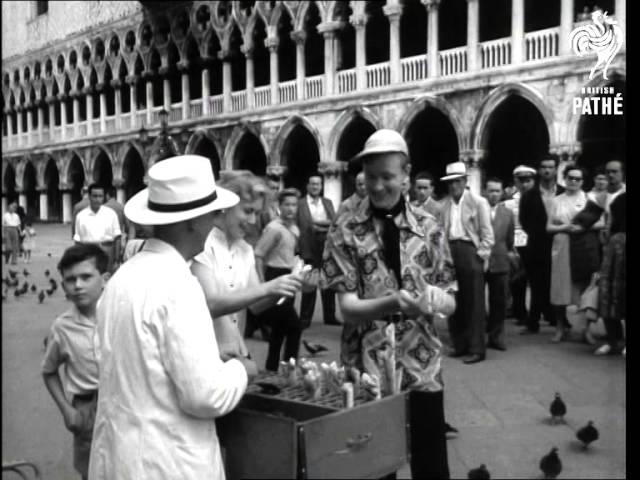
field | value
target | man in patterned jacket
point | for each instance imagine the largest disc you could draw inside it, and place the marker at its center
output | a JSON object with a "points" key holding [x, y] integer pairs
{"points": [[390, 265]]}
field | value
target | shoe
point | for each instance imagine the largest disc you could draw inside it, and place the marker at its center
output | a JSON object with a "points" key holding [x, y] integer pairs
{"points": [[603, 350], [560, 335], [497, 346], [335, 323], [457, 353], [624, 352], [475, 358], [529, 331]]}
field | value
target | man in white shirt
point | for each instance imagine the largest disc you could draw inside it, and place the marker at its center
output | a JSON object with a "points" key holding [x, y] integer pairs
{"points": [[315, 214], [162, 381], [98, 224]]}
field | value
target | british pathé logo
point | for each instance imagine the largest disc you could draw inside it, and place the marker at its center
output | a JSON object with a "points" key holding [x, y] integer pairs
{"points": [[604, 38]]}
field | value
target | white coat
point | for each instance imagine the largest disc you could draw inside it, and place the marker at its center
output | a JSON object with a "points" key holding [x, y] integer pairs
{"points": [[161, 380]]}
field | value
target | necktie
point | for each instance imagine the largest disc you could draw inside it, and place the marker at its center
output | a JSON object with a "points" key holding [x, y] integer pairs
{"points": [[391, 236]]}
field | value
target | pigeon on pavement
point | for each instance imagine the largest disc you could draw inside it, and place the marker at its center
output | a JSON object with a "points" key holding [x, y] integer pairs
{"points": [[46, 273], [34, 289], [558, 409], [50, 291], [587, 434], [550, 464], [41, 296], [25, 272], [480, 473], [12, 273], [53, 284], [48, 254], [314, 348]]}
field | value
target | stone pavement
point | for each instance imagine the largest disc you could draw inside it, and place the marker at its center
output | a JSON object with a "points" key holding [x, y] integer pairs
{"points": [[500, 406]]}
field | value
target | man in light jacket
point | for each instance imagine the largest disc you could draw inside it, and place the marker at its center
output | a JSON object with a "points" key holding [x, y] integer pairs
{"points": [[467, 224], [162, 379]]}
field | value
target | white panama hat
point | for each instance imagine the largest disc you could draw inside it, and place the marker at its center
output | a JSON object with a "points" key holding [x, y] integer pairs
{"points": [[455, 170], [524, 171], [180, 188]]}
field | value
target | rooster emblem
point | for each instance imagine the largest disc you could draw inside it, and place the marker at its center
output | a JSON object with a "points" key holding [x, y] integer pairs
{"points": [[604, 38]]}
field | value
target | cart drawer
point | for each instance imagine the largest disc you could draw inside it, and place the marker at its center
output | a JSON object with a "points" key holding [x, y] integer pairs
{"points": [[367, 441]]}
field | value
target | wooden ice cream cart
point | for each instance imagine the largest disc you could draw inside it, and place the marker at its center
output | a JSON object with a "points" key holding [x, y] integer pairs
{"points": [[288, 435]]}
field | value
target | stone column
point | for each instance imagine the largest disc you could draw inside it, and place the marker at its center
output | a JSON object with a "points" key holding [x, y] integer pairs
{"points": [[329, 65], [332, 173], [393, 13], [117, 85], [566, 25], [205, 90], [103, 108], [63, 115], [8, 112], [517, 32], [120, 193], [76, 114], [186, 93], [473, 35], [300, 37], [19, 111], [40, 106], [149, 93], [272, 45], [133, 100], [250, 77], [166, 88], [22, 199], [474, 179], [433, 57], [29, 123], [44, 204], [67, 208], [226, 80], [89, 99], [5, 205], [359, 24], [621, 16]]}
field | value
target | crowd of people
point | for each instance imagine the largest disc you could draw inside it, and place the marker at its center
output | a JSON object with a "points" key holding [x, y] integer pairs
{"points": [[166, 288]]}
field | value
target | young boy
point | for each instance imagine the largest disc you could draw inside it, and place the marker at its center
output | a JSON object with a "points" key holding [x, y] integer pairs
{"points": [[83, 268]]}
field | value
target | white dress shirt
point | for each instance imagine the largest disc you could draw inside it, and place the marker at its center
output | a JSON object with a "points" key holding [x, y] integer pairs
{"points": [[95, 227], [233, 268], [316, 207], [162, 381], [520, 237], [11, 220], [456, 229]]}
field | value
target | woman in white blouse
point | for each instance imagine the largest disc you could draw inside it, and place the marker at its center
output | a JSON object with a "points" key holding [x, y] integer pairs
{"points": [[11, 231], [227, 273]]}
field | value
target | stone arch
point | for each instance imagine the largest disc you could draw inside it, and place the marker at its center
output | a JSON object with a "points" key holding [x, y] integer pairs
{"points": [[426, 101], [132, 171], [203, 143], [75, 175], [283, 134], [9, 181], [279, 9], [30, 188], [51, 184], [238, 138], [102, 167], [495, 98], [121, 155], [343, 121], [300, 150], [42, 164]]}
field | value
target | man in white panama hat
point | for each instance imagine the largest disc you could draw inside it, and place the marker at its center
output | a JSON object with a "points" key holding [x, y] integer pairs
{"points": [[162, 381], [467, 225]]}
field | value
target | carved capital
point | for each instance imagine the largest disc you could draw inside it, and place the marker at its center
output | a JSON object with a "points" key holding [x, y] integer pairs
{"points": [[50, 99], [472, 158], [332, 169], [393, 12], [88, 90], [131, 79], [329, 29], [276, 170], [272, 43], [248, 51], [358, 20], [299, 36], [99, 87], [183, 66], [224, 55], [431, 4], [116, 83], [164, 70], [117, 183]]}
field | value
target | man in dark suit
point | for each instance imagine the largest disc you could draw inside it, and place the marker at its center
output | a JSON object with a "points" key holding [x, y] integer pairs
{"points": [[467, 225], [499, 263], [535, 206], [315, 215]]}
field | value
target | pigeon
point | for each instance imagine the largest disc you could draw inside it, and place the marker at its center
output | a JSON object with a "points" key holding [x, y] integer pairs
{"points": [[46, 273], [12, 273], [17, 293], [41, 296], [48, 254], [50, 291], [25, 287], [4, 294], [550, 464], [34, 289], [480, 473], [558, 409], [314, 348], [12, 282], [587, 434], [53, 284], [25, 272]]}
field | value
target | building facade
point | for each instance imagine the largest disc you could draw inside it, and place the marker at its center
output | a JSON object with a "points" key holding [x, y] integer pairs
{"points": [[288, 88]]}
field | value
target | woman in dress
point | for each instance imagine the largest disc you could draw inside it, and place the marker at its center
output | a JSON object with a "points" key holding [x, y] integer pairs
{"points": [[227, 273], [569, 276]]}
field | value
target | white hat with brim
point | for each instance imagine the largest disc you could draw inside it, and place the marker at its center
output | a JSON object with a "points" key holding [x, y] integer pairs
{"points": [[454, 171], [524, 171], [180, 188], [382, 141]]}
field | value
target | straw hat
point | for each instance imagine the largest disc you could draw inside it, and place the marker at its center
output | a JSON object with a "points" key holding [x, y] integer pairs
{"points": [[180, 188], [383, 141], [454, 171]]}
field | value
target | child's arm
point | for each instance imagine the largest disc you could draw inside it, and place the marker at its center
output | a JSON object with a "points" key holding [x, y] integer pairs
{"points": [[72, 418]]}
